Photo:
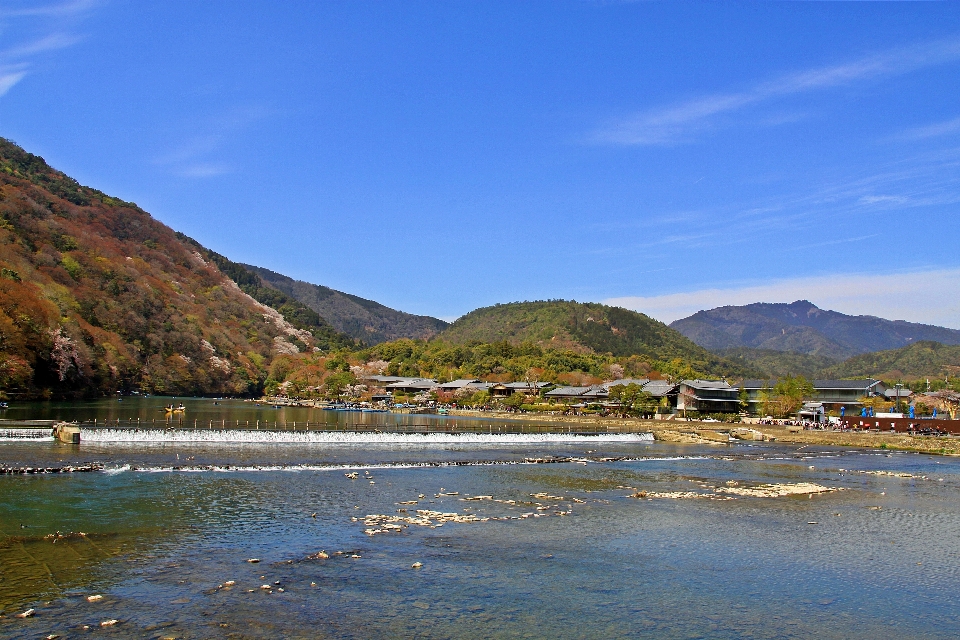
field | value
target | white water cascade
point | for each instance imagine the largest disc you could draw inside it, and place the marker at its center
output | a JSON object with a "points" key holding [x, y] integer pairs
{"points": [[20, 434], [231, 436]]}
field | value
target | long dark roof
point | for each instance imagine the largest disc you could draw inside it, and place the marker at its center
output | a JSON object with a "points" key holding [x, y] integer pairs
{"points": [[458, 384], [843, 384], [758, 384], [708, 384], [526, 385], [625, 382], [568, 391], [391, 378], [817, 384], [659, 387]]}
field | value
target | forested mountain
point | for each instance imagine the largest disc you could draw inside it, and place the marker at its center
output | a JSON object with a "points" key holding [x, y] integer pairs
{"points": [[363, 319], [779, 364], [803, 328], [587, 328], [923, 359], [96, 296]]}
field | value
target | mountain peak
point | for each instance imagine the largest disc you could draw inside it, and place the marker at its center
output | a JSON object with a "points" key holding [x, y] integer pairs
{"points": [[584, 327], [804, 328]]}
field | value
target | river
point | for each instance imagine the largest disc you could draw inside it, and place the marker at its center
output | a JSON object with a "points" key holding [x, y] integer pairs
{"points": [[545, 536]]}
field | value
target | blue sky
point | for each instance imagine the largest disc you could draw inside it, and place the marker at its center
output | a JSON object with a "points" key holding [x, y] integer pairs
{"points": [[437, 157]]}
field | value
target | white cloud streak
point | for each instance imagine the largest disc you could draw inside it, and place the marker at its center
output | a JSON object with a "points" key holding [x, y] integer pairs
{"points": [[931, 297], [63, 9], [935, 130], [9, 77], [196, 156], [46, 29], [203, 170], [679, 123]]}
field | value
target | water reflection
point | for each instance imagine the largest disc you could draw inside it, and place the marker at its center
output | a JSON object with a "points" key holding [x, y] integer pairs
{"points": [[204, 412]]}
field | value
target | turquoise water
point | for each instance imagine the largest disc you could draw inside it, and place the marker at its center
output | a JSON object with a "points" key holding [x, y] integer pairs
{"points": [[167, 524]]}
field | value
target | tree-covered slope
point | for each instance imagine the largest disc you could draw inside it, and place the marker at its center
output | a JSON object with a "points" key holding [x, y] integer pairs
{"points": [[96, 296], [589, 327], [365, 320], [779, 364], [802, 327], [925, 359]]}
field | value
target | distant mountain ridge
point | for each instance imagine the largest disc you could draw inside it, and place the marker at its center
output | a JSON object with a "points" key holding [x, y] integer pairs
{"points": [[592, 327], [801, 327], [365, 320]]}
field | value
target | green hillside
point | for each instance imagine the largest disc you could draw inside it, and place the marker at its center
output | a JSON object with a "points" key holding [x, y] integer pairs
{"points": [[925, 359], [779, 364], [588, 328]]}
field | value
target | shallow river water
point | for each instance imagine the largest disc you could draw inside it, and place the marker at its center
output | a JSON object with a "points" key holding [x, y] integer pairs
{"points": [[550, 549]]}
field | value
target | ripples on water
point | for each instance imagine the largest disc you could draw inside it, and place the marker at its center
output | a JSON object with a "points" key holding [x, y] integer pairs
{"points": [[881, 559]]}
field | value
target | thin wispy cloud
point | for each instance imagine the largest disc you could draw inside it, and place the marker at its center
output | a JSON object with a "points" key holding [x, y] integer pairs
{"points": [[55, 9], [42, 29], [931, 296], [912, 182], [10, 76], [890, 200], [950, 127], [51, 42], [199, 155], [682, 122], [203, 170]]}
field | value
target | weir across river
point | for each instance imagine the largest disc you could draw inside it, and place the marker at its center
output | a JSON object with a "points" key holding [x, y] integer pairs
{"points": [[35, 428]]}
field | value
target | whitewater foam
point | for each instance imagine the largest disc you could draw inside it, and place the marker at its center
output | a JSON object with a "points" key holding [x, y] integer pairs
{"points": [[227, 436], [428, 464], [25, 435]]}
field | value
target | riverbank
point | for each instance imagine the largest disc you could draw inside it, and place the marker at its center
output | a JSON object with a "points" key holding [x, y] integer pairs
{"points": [[691, 432], [897, 441]]}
